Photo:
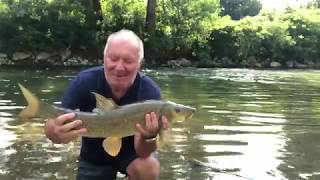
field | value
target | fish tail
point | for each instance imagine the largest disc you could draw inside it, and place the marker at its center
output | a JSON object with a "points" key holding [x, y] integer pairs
{"points": [[33, 107]]}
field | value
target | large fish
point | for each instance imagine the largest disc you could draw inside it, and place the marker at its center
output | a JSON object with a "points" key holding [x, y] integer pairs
{"points": [[108, 120]]}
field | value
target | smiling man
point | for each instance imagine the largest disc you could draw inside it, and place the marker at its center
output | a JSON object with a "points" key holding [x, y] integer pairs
{"points": [[120, 80]]}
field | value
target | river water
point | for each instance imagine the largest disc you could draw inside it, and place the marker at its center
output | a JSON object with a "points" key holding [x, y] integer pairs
{"points": [[250, 124]]}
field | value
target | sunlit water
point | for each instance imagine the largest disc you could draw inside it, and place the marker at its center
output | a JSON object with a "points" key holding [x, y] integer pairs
{"points": [[250, 124]]}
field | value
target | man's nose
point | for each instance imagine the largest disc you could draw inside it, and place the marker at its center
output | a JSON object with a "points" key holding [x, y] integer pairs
{"points": [[120, 65]]}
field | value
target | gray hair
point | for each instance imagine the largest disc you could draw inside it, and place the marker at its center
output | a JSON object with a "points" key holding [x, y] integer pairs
{"points": [[127, 35]]}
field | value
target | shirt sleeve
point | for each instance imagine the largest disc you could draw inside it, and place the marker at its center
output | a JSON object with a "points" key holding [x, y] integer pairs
{"points": [[72, 96]]}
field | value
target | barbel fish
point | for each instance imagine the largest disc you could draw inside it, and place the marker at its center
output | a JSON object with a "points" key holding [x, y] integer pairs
{"points": [[108, 120]]}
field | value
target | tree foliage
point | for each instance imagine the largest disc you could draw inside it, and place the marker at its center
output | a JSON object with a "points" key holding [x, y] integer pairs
{"points": [[123, 14], [43, 25], [238, 9], [180, 24], [183, 25], [183, 28], [289, 36], [314, 4]]}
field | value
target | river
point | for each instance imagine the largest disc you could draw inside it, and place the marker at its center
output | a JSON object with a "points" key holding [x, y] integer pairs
{"points": [[249, 124]]}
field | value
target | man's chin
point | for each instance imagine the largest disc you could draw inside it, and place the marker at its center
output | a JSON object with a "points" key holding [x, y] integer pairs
{"points": [[119, 85], [120, 79], [120, 82]]}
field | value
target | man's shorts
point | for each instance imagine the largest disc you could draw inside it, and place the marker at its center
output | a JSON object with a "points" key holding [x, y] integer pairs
{"points": [[89, 171]]}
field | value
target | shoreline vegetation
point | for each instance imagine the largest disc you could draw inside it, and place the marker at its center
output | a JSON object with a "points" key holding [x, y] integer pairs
{"points": [[69, 33], [22, 59]]}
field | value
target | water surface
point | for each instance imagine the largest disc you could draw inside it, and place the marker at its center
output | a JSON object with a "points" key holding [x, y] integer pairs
{"points": [[250, 124]]}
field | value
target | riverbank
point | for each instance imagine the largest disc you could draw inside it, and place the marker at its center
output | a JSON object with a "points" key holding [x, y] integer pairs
{"points": [[67, 59]]}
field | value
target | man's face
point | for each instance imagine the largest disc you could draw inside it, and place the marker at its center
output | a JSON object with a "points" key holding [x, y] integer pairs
{"points": [[121, 63]]}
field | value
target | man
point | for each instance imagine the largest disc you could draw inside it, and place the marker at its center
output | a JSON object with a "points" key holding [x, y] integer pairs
{"points": [[120, 80]]}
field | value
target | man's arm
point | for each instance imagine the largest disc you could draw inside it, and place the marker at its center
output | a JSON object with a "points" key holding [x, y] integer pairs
{"points": [[143, 146]]}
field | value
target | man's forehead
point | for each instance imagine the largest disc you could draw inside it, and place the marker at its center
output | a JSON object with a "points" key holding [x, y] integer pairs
{"points": [[122, 40], [122, 49]]}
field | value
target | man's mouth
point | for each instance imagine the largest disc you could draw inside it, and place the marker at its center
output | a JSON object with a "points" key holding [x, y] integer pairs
{"points": [[121, 77]]}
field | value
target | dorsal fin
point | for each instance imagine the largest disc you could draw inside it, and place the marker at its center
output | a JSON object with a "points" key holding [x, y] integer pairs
{"points": [[104, 103]]}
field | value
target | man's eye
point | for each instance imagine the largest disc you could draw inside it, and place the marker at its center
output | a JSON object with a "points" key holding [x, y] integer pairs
{"points": [[113, 58], [128, 60], [178, 110]]}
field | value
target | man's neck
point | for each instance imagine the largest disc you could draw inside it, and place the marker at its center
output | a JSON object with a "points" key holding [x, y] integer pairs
{"points": [[118, 93]]}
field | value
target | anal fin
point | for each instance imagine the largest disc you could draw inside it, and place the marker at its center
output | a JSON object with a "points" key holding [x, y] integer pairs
{"points": [[112, 145]]}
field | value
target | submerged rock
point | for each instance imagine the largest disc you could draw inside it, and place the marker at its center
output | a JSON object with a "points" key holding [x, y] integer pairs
{"points": [[17, 56], [275, 64], [182, 62]]}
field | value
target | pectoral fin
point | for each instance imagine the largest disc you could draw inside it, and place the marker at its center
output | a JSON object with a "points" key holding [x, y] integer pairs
{"points": [[112, 145]]}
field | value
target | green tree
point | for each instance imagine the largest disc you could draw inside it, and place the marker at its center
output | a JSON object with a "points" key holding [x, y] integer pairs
{"points": [[93, 12], [150, 27], [151, 17], [183, 26], [123, 14], [41, 25], [238, 9], [315, 3]]}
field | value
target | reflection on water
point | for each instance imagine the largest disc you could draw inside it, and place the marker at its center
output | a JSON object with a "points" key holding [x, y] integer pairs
{"points": [[250, 124]]}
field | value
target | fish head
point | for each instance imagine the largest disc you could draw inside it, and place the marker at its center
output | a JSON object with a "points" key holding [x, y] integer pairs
{"points": [[178, 112]]}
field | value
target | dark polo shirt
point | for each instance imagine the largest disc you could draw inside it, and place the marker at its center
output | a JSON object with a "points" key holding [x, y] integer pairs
{"points": [[79, 96]]}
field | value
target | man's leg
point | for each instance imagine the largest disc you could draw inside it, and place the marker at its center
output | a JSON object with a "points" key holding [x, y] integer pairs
{"points": [[89, 171], [136, 168], [144, 169]]}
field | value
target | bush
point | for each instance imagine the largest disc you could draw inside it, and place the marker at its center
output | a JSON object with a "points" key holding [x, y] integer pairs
{"points": [[289, 36], [40, 25]]}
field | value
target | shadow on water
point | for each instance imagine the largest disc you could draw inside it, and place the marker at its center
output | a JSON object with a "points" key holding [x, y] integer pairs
{"points": [[250, 124]]}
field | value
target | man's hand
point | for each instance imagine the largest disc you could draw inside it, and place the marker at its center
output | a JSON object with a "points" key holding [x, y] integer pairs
{"points": [[64, 129], [143, 147], [152, 127]]}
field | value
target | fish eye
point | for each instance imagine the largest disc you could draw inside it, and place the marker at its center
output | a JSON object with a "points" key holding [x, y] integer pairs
{"points": [[178, 110]]}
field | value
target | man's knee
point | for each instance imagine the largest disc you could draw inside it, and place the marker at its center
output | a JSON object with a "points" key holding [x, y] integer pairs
{"points": [[147, 168]]}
